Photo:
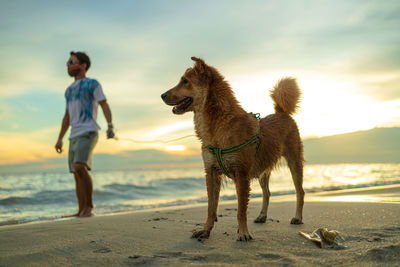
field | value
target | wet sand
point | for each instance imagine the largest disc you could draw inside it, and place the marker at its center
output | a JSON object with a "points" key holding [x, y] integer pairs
{"points": [[370, 225]]}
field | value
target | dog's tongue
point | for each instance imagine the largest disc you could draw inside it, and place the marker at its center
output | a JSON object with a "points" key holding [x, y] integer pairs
{"points": [[175, 108]]}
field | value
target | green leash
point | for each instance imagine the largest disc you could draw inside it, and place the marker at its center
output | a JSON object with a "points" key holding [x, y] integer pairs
{"points": [[219, 152]]}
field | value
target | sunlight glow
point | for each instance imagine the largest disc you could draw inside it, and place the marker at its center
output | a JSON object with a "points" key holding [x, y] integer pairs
{"points": [[352, 180], [172, 127], [328, 106], [354, 198], [175, 148]]}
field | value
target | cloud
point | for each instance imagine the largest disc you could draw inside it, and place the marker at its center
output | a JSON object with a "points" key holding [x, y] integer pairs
{"points": [[380, 61], [31, 111], [384, 87], [30, 146], [377, 73]]}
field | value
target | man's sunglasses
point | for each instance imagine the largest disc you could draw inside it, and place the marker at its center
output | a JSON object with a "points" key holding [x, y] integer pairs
{"points": [[71, 62]]}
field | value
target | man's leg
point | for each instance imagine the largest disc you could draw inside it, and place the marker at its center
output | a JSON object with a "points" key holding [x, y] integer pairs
{"points": [[82, 164], [78, 182], [85, 189], [79, 192]]}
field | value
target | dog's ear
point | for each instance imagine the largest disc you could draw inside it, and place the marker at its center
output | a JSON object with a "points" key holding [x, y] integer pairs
{"points": [[199, 64]]}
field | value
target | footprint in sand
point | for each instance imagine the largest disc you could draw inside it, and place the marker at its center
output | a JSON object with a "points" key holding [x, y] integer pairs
{"points": [[168, 254], [102, 250], [158, 219], [276, 258], [389, 254], [140, 260]]}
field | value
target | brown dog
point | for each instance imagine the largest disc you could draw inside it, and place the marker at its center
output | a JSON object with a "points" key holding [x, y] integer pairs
{"points": [[235, 143]]}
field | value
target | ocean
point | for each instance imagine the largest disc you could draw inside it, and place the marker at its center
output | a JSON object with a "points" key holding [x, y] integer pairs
{"points": [[47, 195]]}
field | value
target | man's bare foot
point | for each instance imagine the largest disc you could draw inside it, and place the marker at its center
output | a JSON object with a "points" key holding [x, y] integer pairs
{"points": [[87, 213]]}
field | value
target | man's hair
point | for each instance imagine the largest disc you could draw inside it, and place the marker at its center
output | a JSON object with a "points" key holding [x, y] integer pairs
{"points": [[82, 57]]}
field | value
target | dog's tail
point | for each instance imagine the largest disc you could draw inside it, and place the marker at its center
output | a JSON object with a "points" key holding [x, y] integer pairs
{"points": [[286, 95]]}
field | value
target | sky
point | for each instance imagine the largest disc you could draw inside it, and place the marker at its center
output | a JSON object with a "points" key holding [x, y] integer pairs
{"points": [[345, 55]]}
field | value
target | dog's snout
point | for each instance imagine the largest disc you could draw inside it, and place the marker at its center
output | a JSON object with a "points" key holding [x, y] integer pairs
{"points": [[164, 96]]}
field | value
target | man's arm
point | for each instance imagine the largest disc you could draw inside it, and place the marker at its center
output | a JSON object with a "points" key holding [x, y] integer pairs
{"points": [[107, 114], [64, 128], [106, 110]]}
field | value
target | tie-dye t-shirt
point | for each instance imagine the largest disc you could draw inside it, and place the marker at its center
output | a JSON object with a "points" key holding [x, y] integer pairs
{"points": [[82, 98]]}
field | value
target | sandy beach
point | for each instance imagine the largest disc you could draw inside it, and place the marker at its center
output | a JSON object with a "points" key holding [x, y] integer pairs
{"points": [[368, 219]]}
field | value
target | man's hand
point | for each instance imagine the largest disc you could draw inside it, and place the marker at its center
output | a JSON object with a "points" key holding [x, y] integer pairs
{"points": [[110, 131], [59, 145]]}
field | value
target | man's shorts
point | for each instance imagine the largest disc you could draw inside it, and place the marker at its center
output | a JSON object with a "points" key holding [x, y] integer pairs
{"points": [[81, 149]]}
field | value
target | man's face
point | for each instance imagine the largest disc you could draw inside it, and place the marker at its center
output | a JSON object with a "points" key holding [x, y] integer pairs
{"points": [[74, 67]]}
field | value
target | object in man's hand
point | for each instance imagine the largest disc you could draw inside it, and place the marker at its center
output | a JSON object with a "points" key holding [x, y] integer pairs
{"points": [[110, 133]]}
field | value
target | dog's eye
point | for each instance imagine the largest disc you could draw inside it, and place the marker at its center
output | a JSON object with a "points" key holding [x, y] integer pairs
{"points": [[185, 81]]}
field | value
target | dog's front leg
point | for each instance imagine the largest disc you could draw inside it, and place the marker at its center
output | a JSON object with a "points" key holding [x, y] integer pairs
{"points": [[243, 194], [264, 183], [213, 180]]}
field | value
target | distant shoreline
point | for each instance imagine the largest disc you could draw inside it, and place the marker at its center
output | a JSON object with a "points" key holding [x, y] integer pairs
{"points": [[18, 169], [377, 145]]}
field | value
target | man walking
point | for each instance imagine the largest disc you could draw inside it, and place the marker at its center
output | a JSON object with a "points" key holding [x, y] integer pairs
{"points": [[82, 99]]}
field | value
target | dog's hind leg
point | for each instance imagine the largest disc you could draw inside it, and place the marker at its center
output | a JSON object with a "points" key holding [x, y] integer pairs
{"points": [[296, 169], [264, 183], [243, 193], [213, 180]]}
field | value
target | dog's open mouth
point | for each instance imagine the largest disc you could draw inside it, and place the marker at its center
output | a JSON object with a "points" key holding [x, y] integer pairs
{"points": [[182, 105]]}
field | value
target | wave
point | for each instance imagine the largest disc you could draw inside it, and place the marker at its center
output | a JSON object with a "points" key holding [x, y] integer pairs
{"points": [[169, 187], [15, 200], [46, 197]]}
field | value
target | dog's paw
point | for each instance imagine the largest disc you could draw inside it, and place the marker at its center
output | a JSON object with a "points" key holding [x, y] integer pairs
{"points": [[296, 221], [201, 234], [261, 219], [244, 236]]}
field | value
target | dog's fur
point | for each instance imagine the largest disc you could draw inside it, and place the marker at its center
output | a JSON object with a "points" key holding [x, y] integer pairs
{"points": [[221, 122]]}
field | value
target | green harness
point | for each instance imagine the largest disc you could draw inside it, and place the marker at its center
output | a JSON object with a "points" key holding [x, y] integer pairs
{"points": [[219, 152]]}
